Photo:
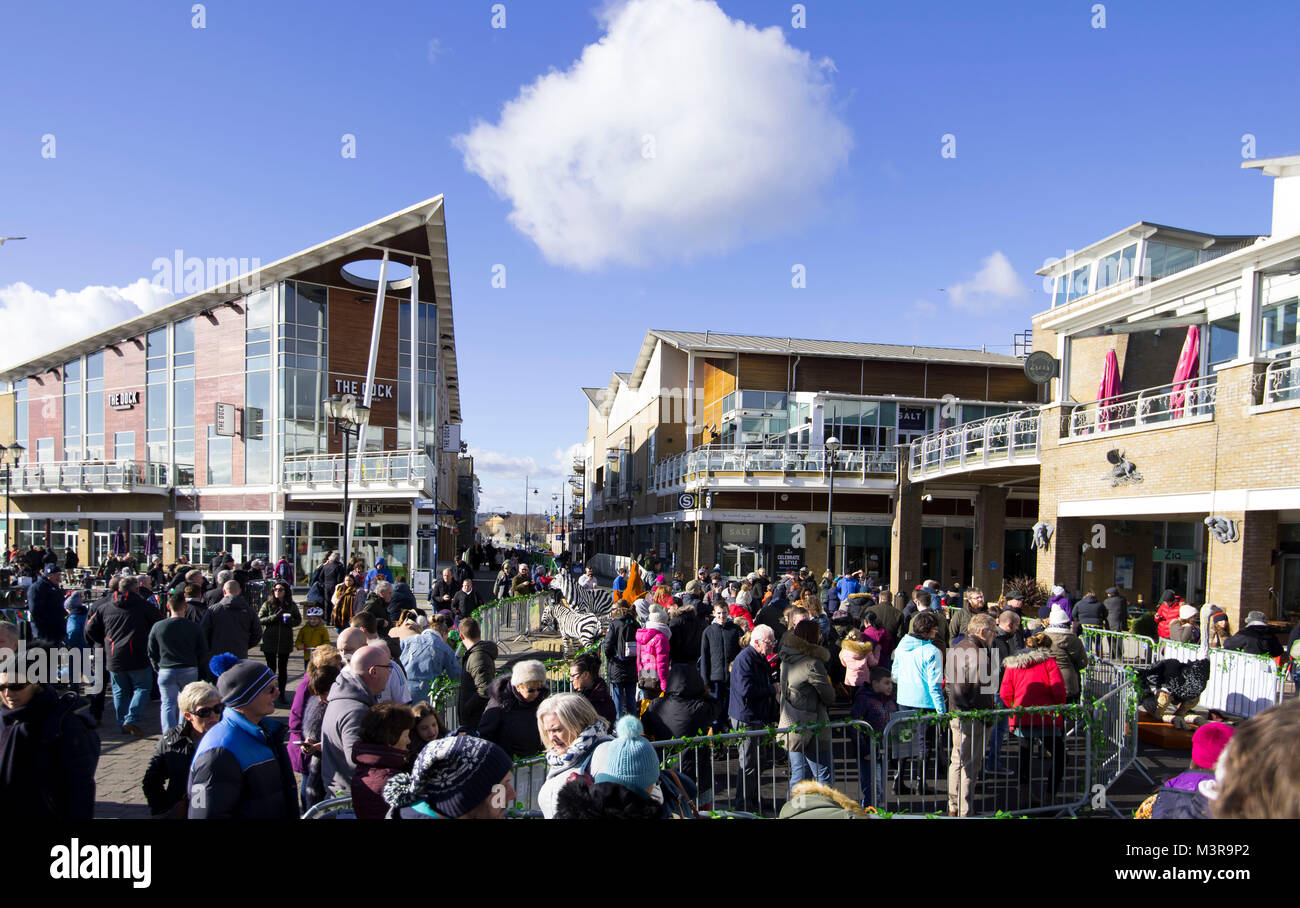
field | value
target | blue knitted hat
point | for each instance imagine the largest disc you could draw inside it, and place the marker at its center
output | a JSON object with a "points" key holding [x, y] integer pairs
{"points": [[631, 760]]}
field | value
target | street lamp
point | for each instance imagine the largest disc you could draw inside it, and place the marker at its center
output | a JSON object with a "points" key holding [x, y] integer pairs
{"points": [[348, 416], [832, 448], [10, 456], [526, 491]]}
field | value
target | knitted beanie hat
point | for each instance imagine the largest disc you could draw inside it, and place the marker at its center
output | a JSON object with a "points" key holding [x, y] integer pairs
{"points": [[1057, 617], [1186, 612], [1208, 743], [243, 681], [528, 670], [631, 760], [452, 775]]}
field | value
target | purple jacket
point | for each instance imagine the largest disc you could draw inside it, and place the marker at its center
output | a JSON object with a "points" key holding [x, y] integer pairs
{"points": [[1063, 601], [1189, 780], [295, 726]]}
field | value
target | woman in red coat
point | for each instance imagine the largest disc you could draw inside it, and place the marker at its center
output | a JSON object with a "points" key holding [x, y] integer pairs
{"points": [[1170, 603], [1032, 678]]}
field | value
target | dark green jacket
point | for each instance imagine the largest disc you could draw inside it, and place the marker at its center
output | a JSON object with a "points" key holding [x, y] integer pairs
{"points": [[277, 633]]}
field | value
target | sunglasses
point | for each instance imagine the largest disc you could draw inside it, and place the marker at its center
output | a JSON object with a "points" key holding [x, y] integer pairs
{"points": [[207, 712], [13, 688]]}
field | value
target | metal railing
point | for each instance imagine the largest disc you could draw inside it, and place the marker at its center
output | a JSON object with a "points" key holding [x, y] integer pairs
{"points": [[1148, 408], [405, 469], [1242, 684], [1008, 438], [672, 471], [1118, 647], [1282, 379], [75, 475]]}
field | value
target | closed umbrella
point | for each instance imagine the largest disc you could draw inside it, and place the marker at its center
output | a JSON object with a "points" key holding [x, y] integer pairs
{"points": [[1189, 368], [151, 544], [119, 541], [1109, 389]]}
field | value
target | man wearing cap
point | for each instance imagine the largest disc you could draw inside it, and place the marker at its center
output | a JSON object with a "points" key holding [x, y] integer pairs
{"points": [[460, 777], [45, 601], [241, 768], [1255, 637]]}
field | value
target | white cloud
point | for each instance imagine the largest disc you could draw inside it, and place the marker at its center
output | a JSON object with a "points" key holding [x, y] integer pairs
{"points": [[991, 288], [435, 48], [680, 132], [501, 478], [36, 322]]}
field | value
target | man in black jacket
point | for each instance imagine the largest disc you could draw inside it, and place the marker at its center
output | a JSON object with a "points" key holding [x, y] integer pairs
{"points": [[48, 754], [466, 600], [45, 601], [1255, 637], [444, 591], [1116, 610], [332, 573], [719, 647], [122, 625], [1089, 612], [231, 626], [620, 657]]}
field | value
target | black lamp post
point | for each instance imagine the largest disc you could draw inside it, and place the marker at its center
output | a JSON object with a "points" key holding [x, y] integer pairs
{"points": [[348, 416], [832, 448], [10, 456]]}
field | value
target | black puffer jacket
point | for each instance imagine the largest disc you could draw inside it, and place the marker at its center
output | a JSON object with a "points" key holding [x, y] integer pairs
{"points": [[168, 774], [719, 647], [684, 711], [509, 721], [1116, 613], [48, 755], [123, 625], [621, 635], [1259, 639], [685, 630], [1089, 612]]}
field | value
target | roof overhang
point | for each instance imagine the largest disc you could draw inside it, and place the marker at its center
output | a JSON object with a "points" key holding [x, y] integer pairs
{"points": [[415, 236], [1288, 166]]}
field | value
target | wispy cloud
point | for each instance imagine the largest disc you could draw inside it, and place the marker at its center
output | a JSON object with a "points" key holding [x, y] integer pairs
{"points": [[991, 289], [502, 477], [680, 132], [36, 322]]}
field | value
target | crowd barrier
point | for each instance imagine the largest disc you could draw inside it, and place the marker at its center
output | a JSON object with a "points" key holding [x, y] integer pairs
{"points": [[1119, 647], [1242, 684]]}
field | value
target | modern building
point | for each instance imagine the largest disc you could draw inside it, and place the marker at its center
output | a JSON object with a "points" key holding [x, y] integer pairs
{"points": [[204, 422], [1164, 456], [712, 451]]}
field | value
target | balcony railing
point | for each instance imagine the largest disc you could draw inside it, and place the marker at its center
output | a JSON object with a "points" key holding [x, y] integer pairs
{"points": [[1006, 439], [89, 476], [1282, 379], [671, 472], [1149, 408], [373, 470]]}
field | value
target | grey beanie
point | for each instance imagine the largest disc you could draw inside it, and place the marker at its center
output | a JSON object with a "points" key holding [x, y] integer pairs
{"points": [[243, 681], [451, 775]]}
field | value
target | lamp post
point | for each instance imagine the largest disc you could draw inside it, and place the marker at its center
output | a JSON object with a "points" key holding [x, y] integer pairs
{"points": [[832, 448], [10, 456], [611, 458], [348, 416], [526, 491]]}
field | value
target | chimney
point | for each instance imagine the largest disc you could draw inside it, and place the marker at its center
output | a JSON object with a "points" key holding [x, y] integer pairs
{"points": [[1286, 192]]}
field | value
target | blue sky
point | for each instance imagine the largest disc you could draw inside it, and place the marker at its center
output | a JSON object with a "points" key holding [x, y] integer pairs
{"points": [[225, 141]]}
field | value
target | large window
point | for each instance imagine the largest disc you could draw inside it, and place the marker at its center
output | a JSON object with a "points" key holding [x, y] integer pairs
{"points": [[427, 352], [183, 401], [156, 396], [257, 389], [20, 413], [1279, 312], [1164, 260], [95, 406], [220, 472], [302, 346], [1116, 267], [1079, 282], [72, 410], [855, 423], [1223, 339]]}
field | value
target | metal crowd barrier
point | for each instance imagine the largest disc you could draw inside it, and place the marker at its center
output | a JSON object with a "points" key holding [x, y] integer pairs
{"points": [[1242, 684], [1115, 730], [339, 808], [1121, 648]]}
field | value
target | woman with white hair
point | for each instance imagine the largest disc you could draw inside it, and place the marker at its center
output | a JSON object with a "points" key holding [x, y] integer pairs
{"points": [[510, 719], [571, 730], [166, 780]]}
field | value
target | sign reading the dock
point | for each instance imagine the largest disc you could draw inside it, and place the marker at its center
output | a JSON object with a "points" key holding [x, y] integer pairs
{"points": [[343, 386], [124, 400], [225, 419]]}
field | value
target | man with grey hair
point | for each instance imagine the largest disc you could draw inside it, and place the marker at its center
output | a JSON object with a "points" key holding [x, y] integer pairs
{"points": [[331, 575], [213, 596], [124, 624], [357, 688], [377, 605], [753, 706], [230, 626]]}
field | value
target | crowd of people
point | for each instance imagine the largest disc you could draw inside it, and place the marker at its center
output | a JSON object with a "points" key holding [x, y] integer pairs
{"points": [[681, 658]]}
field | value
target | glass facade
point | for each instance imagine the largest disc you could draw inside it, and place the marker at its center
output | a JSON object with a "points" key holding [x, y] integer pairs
{"points": [[302, 349], [20, 415], [94, 389], [1279, 312], [427, 353], [857, 423], [72, 410], [156, 396], [183, 401], [257, 388]]}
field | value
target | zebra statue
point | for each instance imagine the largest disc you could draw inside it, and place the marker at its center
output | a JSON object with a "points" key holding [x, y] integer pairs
{"points": [[589, 599], [572, 624]]}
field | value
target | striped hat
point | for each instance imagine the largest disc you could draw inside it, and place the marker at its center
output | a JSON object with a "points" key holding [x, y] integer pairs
{"points": [[243, 681]]}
